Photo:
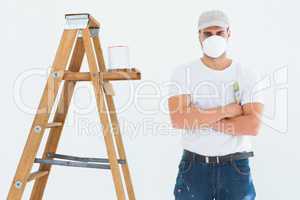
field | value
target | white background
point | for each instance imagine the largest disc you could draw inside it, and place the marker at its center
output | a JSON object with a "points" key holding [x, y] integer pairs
{"points": [[160, 35]]}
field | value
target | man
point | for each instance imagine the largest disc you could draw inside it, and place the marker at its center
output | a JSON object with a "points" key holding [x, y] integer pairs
{"points": [[213, 103]]}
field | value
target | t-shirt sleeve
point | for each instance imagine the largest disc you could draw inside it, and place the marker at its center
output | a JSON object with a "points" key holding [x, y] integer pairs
{"points": [[252, 87], [179, 83]]}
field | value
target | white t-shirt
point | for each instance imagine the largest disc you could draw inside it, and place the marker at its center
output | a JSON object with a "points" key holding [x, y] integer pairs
{"points": [[211, 88]]}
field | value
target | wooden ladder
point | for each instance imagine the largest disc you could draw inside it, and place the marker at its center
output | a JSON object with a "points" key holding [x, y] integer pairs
{"points": [[79, 37]]}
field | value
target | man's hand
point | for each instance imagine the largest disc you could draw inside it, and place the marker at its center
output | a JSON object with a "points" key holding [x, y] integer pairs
{"points": [[233, 110], [246, 124]]}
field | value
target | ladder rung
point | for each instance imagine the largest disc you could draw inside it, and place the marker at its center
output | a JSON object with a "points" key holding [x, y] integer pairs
{"points": [[72, 164], [53, 124], [82, 159], [115, 75], [36, 175]]}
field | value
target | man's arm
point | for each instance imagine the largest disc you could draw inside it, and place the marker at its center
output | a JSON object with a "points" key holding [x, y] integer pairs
{"points": [[185, 115], [246, 124]]}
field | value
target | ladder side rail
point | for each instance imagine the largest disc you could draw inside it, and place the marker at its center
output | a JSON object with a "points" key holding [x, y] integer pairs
{"points": [[41, 118], [115, 123], [96, 81], [59, 116]]}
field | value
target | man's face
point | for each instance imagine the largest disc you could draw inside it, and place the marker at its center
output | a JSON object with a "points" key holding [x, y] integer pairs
{"points": [[213, 30]]}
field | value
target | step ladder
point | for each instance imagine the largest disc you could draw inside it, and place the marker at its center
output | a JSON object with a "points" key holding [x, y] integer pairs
{"points": [[79, 38]]}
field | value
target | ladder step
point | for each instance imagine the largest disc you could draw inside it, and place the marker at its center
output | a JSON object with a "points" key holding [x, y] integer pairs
{"points": [[82, 159], [36, 175], [112, 75], [72, 164], [54, 124]]}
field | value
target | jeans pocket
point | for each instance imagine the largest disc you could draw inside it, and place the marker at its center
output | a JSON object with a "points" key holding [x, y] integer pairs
{"points": [[185, 166], [241, 166]]}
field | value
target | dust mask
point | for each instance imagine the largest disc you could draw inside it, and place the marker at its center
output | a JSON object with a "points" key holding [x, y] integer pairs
{"points": [[214, 46]]}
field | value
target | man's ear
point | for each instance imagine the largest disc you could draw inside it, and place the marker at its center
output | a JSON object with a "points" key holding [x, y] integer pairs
{"points": [[199, 38], [229, 32]]}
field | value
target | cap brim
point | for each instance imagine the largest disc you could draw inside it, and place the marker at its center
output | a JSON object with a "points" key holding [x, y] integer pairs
{"points": [[213, 23]]}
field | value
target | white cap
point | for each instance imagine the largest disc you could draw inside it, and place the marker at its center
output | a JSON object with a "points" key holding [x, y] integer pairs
{"points": [[213, 18]]}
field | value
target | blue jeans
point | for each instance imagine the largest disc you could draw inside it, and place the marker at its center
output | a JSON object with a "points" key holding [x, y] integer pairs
{"points": [[224, 181]]}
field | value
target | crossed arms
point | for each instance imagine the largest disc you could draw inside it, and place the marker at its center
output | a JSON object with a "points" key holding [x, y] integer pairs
{"points": [[231, 119]]}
